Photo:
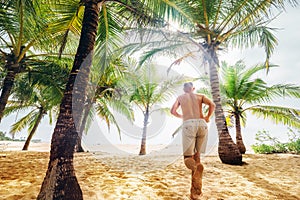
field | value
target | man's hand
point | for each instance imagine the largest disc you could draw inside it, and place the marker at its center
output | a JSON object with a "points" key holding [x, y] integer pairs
{"points": [[206, 118]]}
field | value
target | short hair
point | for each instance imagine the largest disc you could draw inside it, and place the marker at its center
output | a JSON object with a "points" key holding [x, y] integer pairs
{"points": [[187, 86]]}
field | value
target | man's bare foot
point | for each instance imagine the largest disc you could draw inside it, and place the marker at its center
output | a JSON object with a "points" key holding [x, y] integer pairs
{"points": [[196, 196], [190, 163], [196, 189]]}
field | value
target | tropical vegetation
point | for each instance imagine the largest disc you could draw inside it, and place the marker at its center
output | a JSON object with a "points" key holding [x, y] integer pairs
{"points": [[267, 144], [105, 97], [31, 31], [3, 137], [242, 92], [212, 26], [148, 90], [108, 18], [40, 94], [27, 37]]}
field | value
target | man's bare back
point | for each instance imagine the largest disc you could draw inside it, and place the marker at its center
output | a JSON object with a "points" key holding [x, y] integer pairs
{"points": [[191, 106]]}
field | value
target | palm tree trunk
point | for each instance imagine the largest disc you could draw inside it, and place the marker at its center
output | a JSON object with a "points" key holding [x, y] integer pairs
{"points": [[6, 89], [144, 136], [60, 181], [239, 139], [32, 132], [228, 151], [78, 147]]}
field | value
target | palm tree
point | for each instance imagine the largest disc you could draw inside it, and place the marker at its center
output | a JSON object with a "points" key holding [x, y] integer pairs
{"points": [[65, 134], [40, 94], [26, 37], [241, 93], [213, 25], [60, 180], [147, 90], [106, 98], [14, 35]]}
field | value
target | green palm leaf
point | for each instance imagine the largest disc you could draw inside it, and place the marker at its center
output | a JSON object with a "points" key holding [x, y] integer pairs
{"points": [[24, 121], [283, 115]]}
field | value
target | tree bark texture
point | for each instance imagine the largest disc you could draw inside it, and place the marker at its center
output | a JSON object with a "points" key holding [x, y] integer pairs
{"points": [[239, 139], [87, 109], [60, 181], [227, 149], [144, 135], [6, 90]]}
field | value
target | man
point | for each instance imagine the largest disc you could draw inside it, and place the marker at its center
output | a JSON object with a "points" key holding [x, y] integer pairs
{"points": [[194, 131]]}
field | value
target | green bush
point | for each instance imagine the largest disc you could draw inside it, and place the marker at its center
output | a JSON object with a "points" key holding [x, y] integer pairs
{"points": [[274, 146], [280, 148], [3, 137], [263, 148], [294, 146]]}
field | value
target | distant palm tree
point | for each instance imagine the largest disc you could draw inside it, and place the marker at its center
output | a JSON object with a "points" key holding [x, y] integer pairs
{"points": [[40, 94], [242, 93], [107, 98], [148, 90]]}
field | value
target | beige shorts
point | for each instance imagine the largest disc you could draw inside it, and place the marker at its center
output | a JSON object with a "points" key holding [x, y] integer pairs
{"points": [[194, 136]]}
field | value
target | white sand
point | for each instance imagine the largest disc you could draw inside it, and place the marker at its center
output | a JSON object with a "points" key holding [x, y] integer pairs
{"points": [[128, 176]]}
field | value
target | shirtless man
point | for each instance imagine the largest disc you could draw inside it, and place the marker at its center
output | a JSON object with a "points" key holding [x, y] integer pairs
{"points": [[194, 131]]}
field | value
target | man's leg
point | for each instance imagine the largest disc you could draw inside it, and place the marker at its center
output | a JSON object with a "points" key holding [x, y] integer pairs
{"points": [[196, 157], [190, 163], [196, 189], [190, 160]]}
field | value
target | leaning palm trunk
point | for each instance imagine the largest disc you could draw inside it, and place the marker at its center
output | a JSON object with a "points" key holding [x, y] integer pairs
{"points": [[60, 181], [239, 139], [228, 151], [32, 132], [87, 109], [144, 136], [78, 146], [6, 89], [14, 67]]}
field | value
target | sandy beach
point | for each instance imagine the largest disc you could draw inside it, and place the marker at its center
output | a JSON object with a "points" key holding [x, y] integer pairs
{"points": [[105, 176]]}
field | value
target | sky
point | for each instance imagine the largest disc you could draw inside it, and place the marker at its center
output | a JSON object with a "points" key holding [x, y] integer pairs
{"points": [[286, 55]]}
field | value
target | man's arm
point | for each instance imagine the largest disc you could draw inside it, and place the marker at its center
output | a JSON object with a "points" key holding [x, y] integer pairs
{"points": [[174, 109], [211, 107]]}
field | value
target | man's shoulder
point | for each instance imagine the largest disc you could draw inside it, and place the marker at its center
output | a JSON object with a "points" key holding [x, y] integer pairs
{"points": [[199, 95], [182, 95]]}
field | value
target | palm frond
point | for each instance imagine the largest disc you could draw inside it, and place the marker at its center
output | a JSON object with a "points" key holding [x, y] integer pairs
{"points": [[15, 107], [23, 122], [168, 88], [122, 107], [283, 115], [252, 36], [34, 120], [284, 90], [64, 23], [90, 119], [106, 114]]}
